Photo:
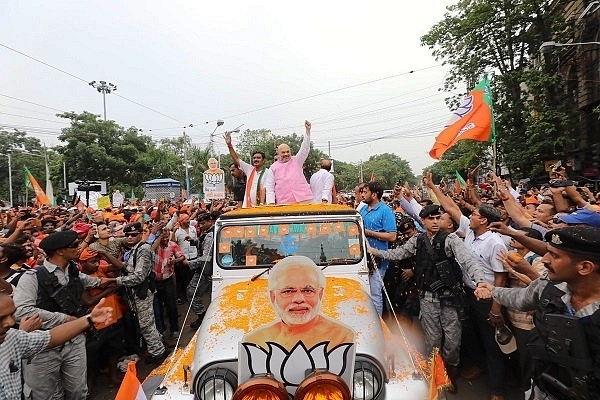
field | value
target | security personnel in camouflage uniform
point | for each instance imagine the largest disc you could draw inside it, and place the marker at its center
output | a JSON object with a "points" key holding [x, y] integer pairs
{"points": [[60, 372], [202, 267], [565, 343], [399, 279], [138, 279], [439, 306]]}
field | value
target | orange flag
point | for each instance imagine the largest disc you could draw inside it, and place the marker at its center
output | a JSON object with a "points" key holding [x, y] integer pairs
{"points": [[372, 177], [31, 183], [131, 388], [473, 119], [439, 379]]}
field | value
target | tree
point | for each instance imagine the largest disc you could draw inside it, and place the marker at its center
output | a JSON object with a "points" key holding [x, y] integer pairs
{"points": [[346, 175], [388, 169], [502, 37], [464, 155], [102, 150], [18, 143]]}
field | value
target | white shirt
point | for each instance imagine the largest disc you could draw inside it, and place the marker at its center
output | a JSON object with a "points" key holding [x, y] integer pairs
{"points": [[484, 248], [321, 183], [190, 252], [267, 177]]}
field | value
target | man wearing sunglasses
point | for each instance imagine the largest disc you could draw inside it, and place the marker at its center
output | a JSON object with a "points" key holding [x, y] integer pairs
{"points": [[53, 291], [139, 277]]}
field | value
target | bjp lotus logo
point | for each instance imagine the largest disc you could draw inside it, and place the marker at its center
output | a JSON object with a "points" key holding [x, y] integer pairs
{"points": [[290, 367]]}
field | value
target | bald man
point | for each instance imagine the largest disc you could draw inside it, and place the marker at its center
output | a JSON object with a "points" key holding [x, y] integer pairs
{"points": [[289, 184], [296, 287], [321, 183]]}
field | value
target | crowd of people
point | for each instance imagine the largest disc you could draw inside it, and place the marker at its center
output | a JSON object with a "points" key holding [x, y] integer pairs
{"points": [[492, 270], [497, 274], [138, 262]]}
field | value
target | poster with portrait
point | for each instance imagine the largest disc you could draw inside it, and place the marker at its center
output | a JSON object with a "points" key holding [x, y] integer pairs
{"points": [[301, 339], [214, 181], [117, 198]]}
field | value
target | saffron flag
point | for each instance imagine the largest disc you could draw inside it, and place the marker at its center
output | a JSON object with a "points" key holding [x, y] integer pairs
{"points": [[31, 183], [131, 388], [438, 377], [473, 119], [372, 177]]}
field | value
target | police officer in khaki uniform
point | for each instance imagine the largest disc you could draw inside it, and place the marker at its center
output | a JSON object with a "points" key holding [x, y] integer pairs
{"points": [[564, 343], [53, 292], [139, 265]]}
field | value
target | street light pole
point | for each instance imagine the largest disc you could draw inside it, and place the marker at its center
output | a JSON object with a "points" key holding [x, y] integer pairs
{"points": [[10, 189], [104, 88], [212, 140], [49, 189], [185, 160]]}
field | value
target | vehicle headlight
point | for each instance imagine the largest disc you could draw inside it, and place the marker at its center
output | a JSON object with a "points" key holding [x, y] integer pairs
{"points": [[323, 385], [366, 380], [263, 387], [216, 384]]}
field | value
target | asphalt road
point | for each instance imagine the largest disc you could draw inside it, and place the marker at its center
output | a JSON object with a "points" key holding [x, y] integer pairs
{"points": [[101, 389]]}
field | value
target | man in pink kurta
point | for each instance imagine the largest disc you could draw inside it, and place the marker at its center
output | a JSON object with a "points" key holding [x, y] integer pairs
{"points": [[289, 183]]}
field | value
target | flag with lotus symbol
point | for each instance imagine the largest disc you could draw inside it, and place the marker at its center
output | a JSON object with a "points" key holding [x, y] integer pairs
{"points": [[473, 119]]}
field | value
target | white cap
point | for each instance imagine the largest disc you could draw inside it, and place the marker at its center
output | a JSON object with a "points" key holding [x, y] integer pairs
{"points": [[506, 340]]}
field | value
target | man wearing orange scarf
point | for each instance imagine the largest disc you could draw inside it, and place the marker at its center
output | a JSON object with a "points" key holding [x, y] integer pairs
{"points": [[257, 176]]}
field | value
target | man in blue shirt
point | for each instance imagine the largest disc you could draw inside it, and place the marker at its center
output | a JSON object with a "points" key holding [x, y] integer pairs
{"points": [[380, 228]]}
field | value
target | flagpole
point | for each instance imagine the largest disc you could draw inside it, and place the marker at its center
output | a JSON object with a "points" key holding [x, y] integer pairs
{"points": [[494, 155]]}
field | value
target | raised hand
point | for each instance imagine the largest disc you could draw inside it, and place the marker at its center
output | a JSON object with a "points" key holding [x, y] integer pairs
{"points": [[101, 314], [227, 137], [428, 180], [307, 125]]}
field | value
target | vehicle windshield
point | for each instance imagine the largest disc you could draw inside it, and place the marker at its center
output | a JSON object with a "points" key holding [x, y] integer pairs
{"points": [[326, 243]]}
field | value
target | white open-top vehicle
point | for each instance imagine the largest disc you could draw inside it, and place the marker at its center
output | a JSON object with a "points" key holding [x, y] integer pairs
{"points": [[247, 243]]}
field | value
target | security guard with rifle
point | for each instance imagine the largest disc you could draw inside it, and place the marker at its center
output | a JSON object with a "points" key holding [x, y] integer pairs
{"points": [[53, 291], [138, 281], [439, 259], [565, 343]]}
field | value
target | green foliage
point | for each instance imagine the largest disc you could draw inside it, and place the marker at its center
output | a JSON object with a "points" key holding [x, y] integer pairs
{"points": [[102, 150], [466, 154], [502, 37], [346, 175], [94, 149], [19, 144], [388, 169]]}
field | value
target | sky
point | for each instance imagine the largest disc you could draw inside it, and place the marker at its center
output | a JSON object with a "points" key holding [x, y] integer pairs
{"points": [[356, 70]]}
